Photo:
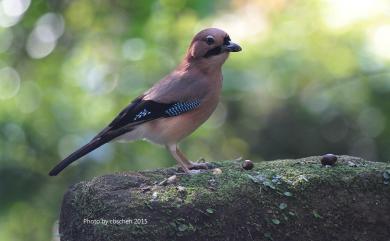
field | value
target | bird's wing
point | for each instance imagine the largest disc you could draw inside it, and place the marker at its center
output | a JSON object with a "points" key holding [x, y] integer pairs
{"points": [[174, 95], [138, 112], [141, 111]]}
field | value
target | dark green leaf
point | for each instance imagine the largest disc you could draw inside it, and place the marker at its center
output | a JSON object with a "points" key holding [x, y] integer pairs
{"points": [[282, 206], [288, 194], [210, 210], [275, 221]]}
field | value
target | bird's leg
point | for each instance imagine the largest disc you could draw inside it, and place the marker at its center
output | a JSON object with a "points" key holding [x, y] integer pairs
{"points": [[183, 161], [191, 165]]}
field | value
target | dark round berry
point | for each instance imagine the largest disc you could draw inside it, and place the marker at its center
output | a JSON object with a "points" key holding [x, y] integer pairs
{"points": [[328, 159], [247, 165]]}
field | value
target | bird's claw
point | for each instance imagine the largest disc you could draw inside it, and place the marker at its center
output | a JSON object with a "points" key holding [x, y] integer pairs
{"points": [[196, 168]]}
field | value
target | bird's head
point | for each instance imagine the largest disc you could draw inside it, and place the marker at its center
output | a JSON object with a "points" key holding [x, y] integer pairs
{"points": [[211, 47]]}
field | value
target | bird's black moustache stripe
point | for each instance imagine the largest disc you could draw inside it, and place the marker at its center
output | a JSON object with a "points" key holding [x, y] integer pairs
{"points": [[213, 52]]}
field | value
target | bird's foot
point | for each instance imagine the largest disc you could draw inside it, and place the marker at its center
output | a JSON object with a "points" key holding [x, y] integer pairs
{"points": [[187, 171], [196, 168], [199, 165]]}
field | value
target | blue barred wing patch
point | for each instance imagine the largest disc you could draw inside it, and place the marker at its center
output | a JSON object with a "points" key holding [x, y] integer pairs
{"points": [[182, 107]]}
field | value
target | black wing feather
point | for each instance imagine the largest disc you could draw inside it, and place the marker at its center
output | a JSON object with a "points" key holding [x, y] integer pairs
{"points": [[140, 111], [132, 113]]}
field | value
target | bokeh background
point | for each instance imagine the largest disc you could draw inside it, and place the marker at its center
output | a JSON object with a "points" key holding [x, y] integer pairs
{"points": [[313, 78]]}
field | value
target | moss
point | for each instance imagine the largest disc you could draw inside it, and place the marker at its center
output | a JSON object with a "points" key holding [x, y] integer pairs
{"points": [[273, 200]]}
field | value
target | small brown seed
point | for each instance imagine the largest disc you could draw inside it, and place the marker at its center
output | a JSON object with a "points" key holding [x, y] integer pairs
{"points": [[247, 165], [328, 159]]}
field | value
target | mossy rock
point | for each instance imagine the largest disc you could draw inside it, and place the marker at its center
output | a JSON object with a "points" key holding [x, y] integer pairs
{"points": [[276, 200]]}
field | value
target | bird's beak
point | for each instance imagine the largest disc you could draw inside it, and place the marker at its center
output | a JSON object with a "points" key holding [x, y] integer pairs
{"points": [[232, 47]]}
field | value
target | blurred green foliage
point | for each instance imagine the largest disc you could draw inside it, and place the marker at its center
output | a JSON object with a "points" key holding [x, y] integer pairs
{"points": [[313, 78]]}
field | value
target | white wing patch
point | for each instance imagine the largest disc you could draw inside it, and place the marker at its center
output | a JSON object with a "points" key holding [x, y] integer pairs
{"points": [[142, 114]]}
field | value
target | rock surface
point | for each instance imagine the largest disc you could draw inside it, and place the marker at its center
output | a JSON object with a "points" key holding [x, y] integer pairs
{"points": [[276, 200]]}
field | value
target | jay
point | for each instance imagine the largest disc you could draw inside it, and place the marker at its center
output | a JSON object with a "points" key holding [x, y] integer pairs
{"points": [[173, 107]]}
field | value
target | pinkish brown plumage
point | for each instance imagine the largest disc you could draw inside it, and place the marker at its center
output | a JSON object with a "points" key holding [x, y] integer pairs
{"points": [[175, 106]]}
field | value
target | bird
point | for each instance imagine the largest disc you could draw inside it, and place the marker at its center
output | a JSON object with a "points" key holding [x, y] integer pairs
{"points": [[175, 106]]}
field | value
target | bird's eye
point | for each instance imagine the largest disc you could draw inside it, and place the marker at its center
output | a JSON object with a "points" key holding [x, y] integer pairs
{"points": [[210, 40]]}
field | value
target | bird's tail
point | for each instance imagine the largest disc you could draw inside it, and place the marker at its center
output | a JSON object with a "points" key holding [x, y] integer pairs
{"points": [[102, 138], [95, 143]]}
